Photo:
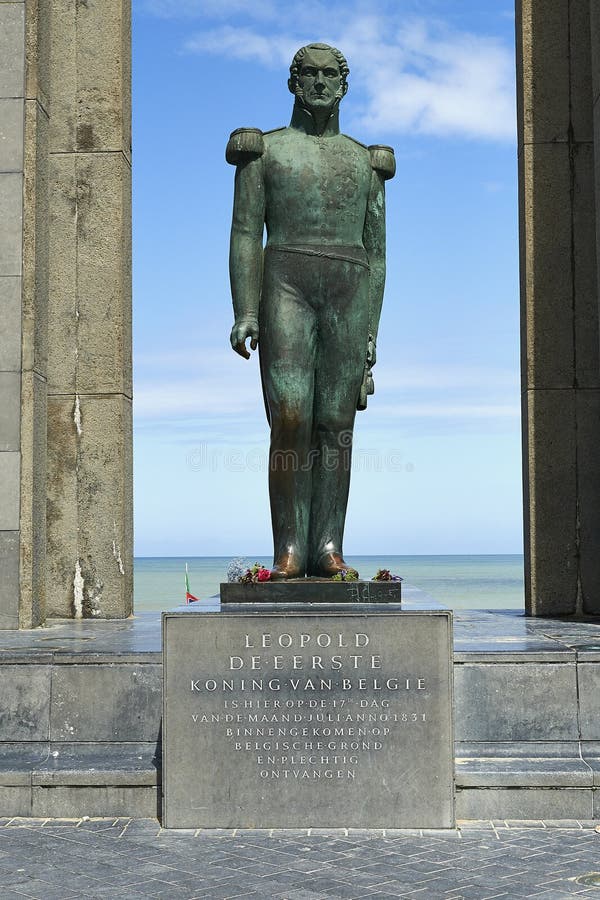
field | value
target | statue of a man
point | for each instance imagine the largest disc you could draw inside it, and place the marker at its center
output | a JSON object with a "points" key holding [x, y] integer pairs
{"points": [[310, 300]]}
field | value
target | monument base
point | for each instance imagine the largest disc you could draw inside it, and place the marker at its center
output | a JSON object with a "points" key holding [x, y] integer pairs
{"points": [[312, 590], [336, 716]]}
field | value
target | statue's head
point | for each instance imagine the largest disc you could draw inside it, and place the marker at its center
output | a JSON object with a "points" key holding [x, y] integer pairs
{"points": [[318, 76]]}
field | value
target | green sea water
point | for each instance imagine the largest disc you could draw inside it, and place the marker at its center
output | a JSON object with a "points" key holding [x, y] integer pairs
{"points": [[460, 582]]}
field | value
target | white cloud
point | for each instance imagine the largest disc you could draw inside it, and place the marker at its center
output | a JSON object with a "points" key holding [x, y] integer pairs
{"points": [[409, 75], [245, 44]]}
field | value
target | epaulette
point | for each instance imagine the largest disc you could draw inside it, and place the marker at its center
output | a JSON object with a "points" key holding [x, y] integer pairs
{"points": [[274, 130], [360, 144], [383, 160], [244, 144]]}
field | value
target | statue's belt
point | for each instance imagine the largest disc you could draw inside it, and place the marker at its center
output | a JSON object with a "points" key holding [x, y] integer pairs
{"points": [[355, 255]]}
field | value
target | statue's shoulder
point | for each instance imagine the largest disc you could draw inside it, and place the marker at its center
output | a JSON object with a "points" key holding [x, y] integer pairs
{"points": [[382, 157], [354, 141], [275, 131], [244, 144], [383, 160]]}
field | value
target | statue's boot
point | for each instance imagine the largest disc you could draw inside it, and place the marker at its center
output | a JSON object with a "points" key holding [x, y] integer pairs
{"points": [[286, 566], [289, 489], [331, 564]]}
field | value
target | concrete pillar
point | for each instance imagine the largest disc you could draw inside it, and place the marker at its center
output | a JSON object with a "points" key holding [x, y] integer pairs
{"points": [[24, 112], [89, 512], [595, 43], [559, 301]]}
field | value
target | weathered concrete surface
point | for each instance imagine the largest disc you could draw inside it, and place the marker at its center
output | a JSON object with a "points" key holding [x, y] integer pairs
{"points": [[90, 532], [23, 298], [90, 506], [90, 324], [559, 301]]}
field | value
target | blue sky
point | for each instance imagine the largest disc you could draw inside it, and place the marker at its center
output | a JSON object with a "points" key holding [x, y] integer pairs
{"points": [[438, 451]]}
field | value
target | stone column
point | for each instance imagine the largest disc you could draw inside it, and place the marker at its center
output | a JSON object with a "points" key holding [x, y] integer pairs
{"points": [[23, 300], [595, 42], [559, 294], [89, 520]]}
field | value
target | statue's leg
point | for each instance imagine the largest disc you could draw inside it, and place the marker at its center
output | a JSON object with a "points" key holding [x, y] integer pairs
{"points": [[341, 351], [287, 352]]}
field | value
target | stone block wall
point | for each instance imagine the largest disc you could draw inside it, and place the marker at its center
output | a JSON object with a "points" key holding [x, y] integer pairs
{"points": [[90, 564], [24, 120], [65, 310], [558, 171]]}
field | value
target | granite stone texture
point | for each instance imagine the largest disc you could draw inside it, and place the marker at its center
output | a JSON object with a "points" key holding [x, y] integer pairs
{"points": [[595, 45], [588, 468], [91, 100], [15, 800], [581, 77], [589, 701], [524, 803], [69, 801], [89, 313], [33, 500], [25, 709], [525, 772], [312, 590], [36, 227], [550, 459], [9, 491], [543, 64], [38, 16], [511, 702], [9, 579], [19, 759], [557, 65], [547, 327], [61, 509], [584, 270], [89, 362], [11, 135], [90, 505], [105, 703], [124, 764], [10, 411], [10, 333], [12, 49], [11, 223], [548, 776], [12, 80], [311, 718]]}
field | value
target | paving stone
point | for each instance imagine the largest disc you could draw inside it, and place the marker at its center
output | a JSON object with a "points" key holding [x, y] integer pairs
{"points": [[131, 859]]}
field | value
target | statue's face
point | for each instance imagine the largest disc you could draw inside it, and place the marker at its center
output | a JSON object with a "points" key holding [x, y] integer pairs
{"points": [[320, 80]]}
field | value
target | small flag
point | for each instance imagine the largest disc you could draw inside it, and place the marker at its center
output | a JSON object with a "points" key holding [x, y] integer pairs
{"points": [[189, 598]]}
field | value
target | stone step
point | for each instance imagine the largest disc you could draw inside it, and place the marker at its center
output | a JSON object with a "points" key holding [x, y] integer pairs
{"points": [[528, 780], [75, 779]]}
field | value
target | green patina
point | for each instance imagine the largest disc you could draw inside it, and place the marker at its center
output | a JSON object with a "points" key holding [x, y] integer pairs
{"points": [[310, 300]]}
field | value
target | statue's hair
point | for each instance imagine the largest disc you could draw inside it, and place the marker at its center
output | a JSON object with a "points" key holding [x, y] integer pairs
{"points": [[297, 65]]}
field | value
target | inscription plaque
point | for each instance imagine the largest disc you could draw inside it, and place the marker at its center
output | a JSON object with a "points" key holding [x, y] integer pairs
{"points": [[337, 718]]}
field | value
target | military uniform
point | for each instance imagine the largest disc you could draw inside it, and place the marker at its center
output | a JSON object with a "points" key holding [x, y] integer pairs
{"points": [[317, 301]]}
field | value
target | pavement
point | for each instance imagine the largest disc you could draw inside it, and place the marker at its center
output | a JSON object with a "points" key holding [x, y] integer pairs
{"points": [[57, 859]]}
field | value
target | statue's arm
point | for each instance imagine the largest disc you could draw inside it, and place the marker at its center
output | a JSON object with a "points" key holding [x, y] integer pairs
{"points": [[383, 167], [246, 249]]}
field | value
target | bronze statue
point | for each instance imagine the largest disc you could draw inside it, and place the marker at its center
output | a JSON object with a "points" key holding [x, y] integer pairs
{"points": [[310, 301]]}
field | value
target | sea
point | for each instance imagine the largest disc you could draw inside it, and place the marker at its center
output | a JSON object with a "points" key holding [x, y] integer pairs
{"points": [[459, 582]]}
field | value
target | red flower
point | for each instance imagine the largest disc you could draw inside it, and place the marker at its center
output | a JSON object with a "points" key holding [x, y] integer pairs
{"points": [[263, 575]]}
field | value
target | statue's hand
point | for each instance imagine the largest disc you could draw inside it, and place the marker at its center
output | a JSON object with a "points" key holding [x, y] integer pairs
{"points": [[371, 353], [241, 331]]}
